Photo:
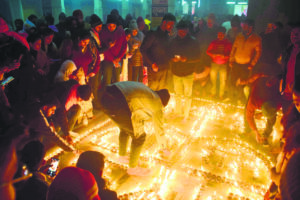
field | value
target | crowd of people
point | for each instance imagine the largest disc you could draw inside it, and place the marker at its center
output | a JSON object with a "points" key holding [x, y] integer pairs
{"points": [[55, 77]]}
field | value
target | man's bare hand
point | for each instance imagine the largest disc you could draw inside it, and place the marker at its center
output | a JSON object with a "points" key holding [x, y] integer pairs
{"points": [[90, 75], [112, 44], [259, 138], [154, 67], [175, 59], [250, 67]]}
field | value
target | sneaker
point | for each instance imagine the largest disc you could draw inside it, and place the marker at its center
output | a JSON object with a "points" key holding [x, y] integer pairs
{"points": [[124, 159], [265, 143], [138, 171]]}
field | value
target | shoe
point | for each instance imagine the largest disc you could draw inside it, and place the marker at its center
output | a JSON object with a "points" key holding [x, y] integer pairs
{"points": [[265, 143], [124, 160], [138, 171]]}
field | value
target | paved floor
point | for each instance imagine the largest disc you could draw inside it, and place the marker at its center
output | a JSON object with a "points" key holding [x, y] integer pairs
{"points": [[210, 156]]}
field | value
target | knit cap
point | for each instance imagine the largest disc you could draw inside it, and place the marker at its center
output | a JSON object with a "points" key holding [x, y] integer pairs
{"points": [[95, 20], [112, 19], [75, 182], [183, 24]]}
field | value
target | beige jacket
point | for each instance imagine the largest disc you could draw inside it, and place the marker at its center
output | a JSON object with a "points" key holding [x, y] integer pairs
{"points": [[246, 50]]}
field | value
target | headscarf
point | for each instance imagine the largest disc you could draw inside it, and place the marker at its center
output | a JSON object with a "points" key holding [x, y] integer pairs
{"points": [[66, 69]]}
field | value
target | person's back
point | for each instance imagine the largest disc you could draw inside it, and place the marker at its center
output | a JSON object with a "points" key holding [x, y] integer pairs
{"points": [[93, 161], [36, 187], [139, 96], [62, 89], [289, 182], [263, 92], [73, 182]]}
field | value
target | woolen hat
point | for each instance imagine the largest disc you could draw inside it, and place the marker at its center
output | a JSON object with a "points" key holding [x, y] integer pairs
{"points": [[75, 182], [95, 20], [112, 19], [183, 24]]}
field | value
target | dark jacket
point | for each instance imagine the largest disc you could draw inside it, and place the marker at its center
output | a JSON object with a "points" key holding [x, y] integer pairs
{"points": [[104, 193], [188, 47], [205, 38], [62, 89], [34, 188], [284, 61], [291, 117], [260, 93], [271, 47], [155, 49], [24, 88]]}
